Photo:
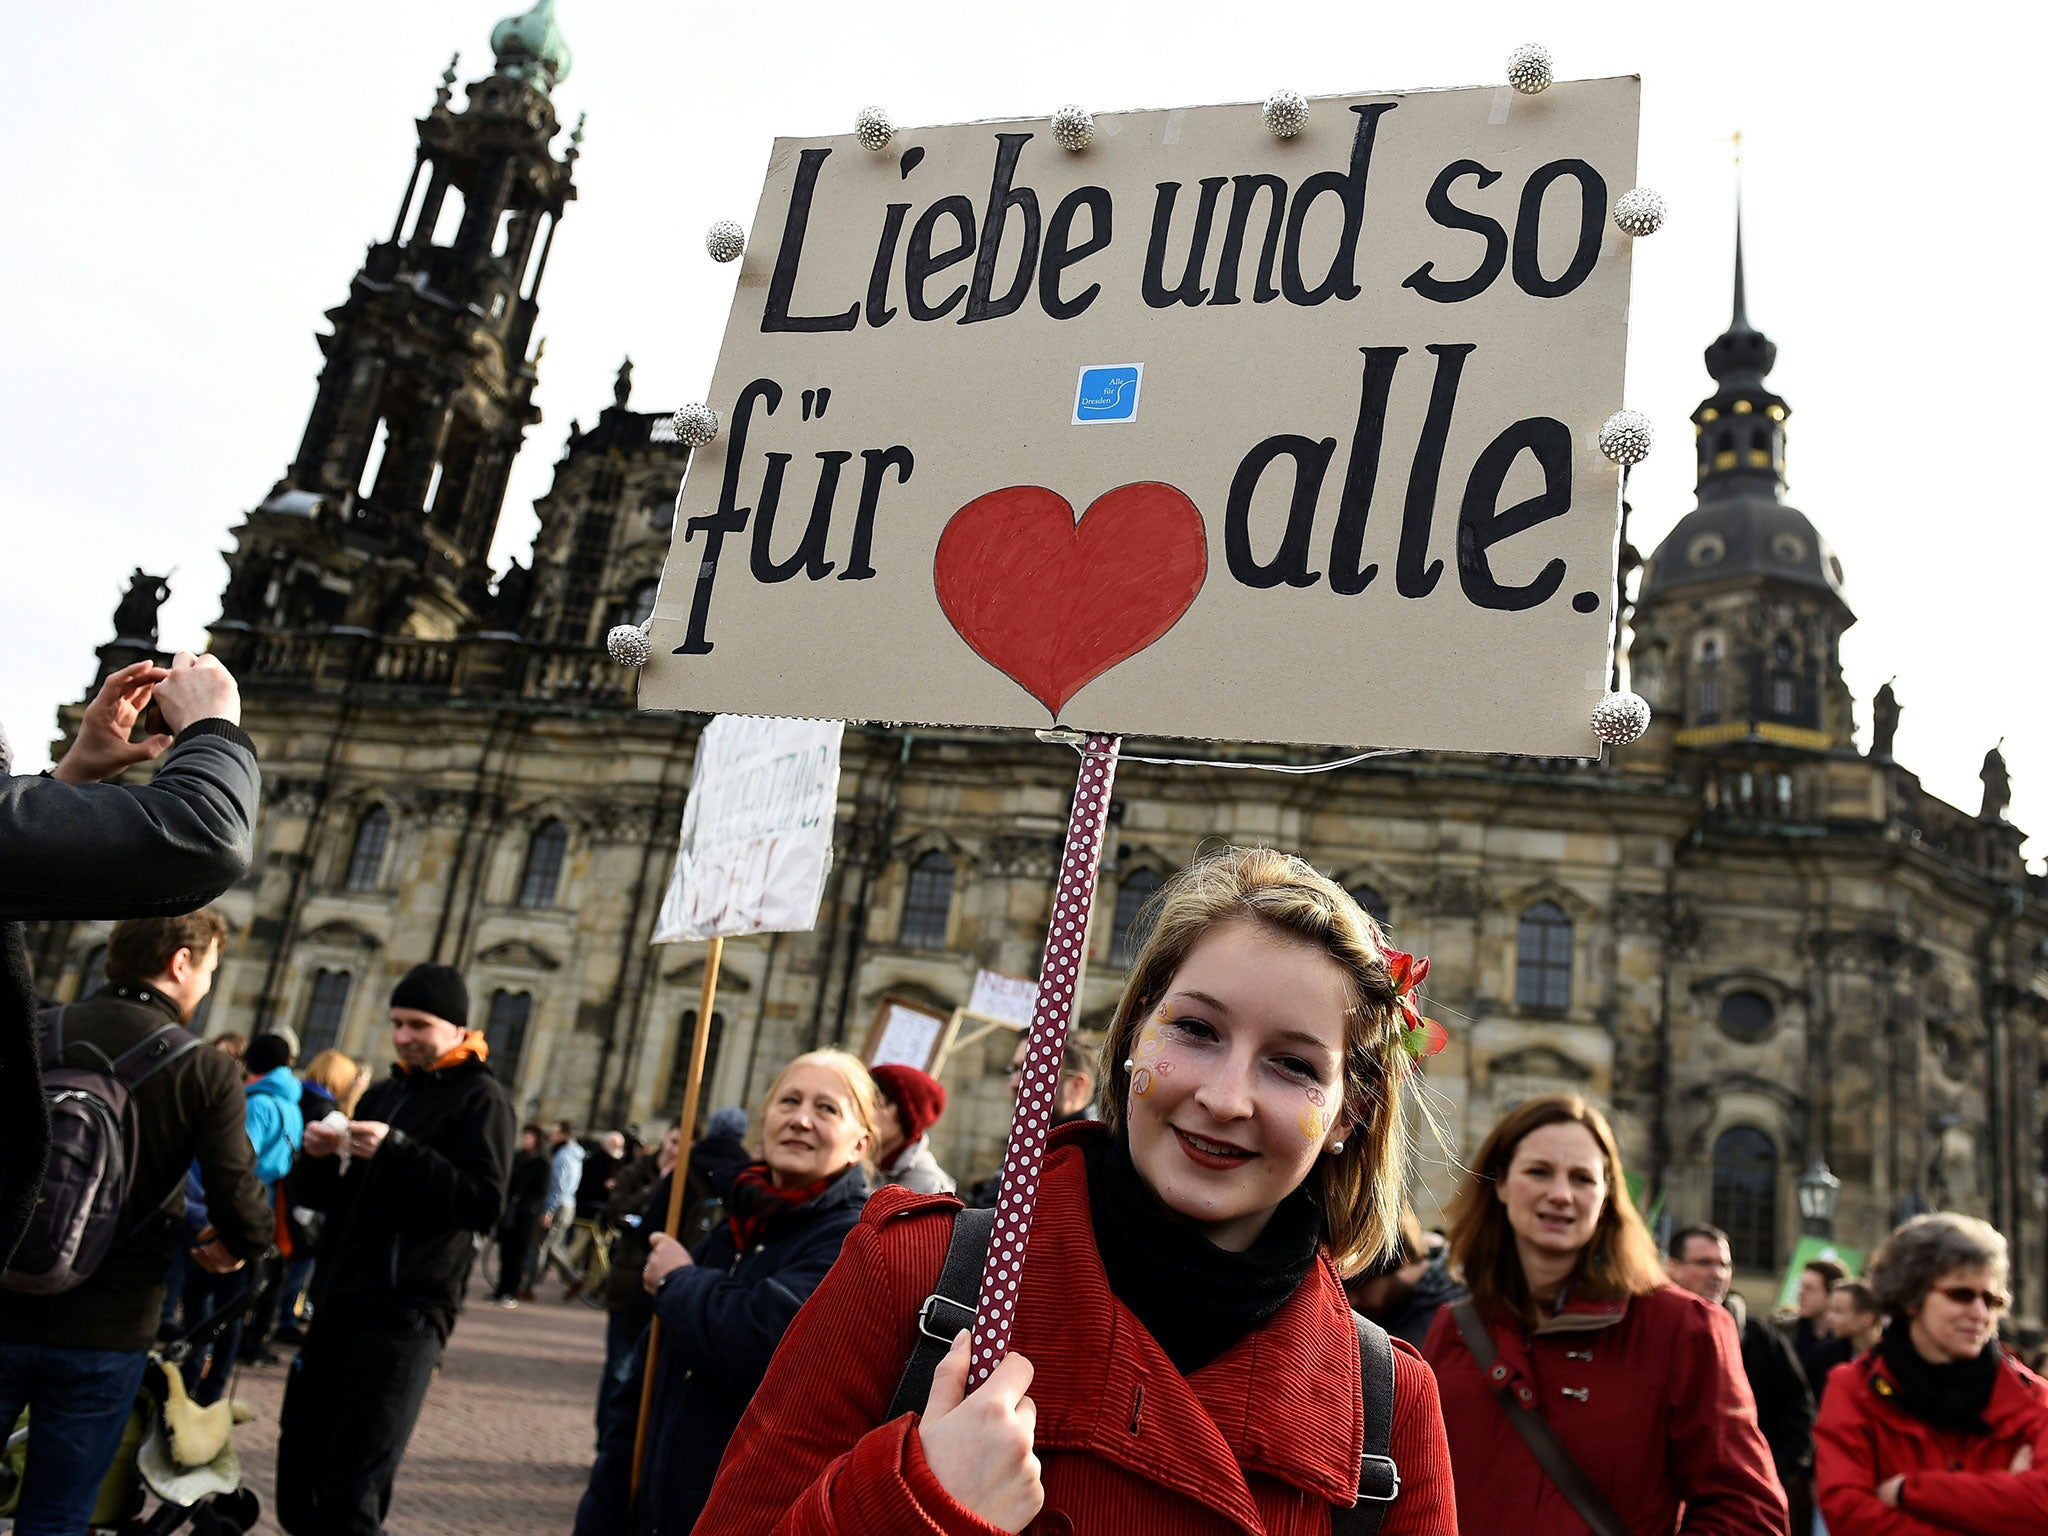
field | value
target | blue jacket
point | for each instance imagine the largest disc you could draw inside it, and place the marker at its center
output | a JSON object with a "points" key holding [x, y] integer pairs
{"points": [[721, 1319], [275, 1125], [565, 1173]]}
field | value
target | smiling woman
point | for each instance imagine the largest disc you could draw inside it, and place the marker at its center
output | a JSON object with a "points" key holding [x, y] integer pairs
{"points": [[1183, 1357], [1582, 1390], [726, 1304]]}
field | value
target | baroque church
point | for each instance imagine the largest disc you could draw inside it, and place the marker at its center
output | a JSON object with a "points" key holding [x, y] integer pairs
{"points": [[1760, 946]]}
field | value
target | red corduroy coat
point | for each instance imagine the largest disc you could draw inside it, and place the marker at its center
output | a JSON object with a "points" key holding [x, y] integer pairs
{"points": [[1648, 1397], [1954, 1482], [1263, 1440]]}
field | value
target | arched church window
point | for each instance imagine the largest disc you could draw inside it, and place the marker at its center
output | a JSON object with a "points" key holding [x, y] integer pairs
{"points": [[927, 902], [449, 224], [326, 1005], [1746, 1196], [1747, 1015], [366, 857], [679, 1068], [373, 465], [1373, 902], [1784, 696], [505, 1030], [1543, 959], [543, 872], [1132, 892]]}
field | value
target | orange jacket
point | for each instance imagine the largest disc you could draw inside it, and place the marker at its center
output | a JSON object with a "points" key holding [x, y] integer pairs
{"points": [[1954, 1481], [1261, 1441]]}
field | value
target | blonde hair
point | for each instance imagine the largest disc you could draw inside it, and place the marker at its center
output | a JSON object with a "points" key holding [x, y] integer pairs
{"points": [[338, 1074], [1620, 1260], [860, 1090], [1356, 1191]]}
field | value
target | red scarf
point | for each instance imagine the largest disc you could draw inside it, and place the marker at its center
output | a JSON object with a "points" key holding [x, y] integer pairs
{"points": [[754, 1204]]}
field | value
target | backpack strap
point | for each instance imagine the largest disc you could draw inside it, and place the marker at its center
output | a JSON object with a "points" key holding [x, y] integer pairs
{"points": [[146, 1059], [1379, 1479], [947, 1310]]}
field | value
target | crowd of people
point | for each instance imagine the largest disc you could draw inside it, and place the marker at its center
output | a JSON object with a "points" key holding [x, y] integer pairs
{"points": [[1227, 1317]]}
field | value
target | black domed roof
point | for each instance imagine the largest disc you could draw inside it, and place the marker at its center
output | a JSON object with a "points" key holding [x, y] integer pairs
{"points": [[1752, 534]]}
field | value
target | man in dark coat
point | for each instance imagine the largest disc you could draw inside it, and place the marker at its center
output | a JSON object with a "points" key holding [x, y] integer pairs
{"points": [[76, 1358], [74, 847], [427, 1160], [1702, 1263]]}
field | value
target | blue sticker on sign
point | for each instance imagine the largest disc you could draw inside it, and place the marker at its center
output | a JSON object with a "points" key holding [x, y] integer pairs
{"points": [[1108, 392]]}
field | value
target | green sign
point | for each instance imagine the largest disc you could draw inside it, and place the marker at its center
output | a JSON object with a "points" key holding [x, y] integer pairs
{"points": [[1809, 1249]]}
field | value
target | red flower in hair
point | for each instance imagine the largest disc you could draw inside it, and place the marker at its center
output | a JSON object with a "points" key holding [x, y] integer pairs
{"points": [[1423, 1036]]}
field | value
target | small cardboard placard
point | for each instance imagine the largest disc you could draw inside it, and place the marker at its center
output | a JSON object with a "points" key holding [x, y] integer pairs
{"points": [[905, 1034], [757, 830], [1197, 432]]}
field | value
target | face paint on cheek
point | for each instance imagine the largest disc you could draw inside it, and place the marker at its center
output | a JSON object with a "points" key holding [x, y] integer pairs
{"points": [[1311, 1122], [1149, 1043], [1141, 1082]]}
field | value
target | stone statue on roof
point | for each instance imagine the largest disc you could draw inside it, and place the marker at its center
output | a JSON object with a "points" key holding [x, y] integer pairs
{"points": [[1997, 785], [1884, 722], [135, 618]]}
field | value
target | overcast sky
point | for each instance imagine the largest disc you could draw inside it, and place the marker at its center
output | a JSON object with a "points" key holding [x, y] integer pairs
{"points": [[195, 185]]}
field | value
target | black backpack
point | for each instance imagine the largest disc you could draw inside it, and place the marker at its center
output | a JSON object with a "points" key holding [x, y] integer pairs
{"points": [[77, 1220], [951, 1307]]}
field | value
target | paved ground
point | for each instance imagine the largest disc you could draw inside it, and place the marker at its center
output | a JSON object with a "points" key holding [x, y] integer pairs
{"points": [[504, 1443]]}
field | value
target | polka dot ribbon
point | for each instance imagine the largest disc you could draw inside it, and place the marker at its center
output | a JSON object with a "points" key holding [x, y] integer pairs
{"points": [[1058, 981]]}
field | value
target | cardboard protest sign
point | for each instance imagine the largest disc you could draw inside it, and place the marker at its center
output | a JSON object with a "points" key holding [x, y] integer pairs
{"points": [[757, 830], [904, 1034], [999, 995], [1197, 432]]}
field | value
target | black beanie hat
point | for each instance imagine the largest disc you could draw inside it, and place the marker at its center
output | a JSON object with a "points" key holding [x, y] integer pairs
{"points": [[266, 1053], [435, 989]]}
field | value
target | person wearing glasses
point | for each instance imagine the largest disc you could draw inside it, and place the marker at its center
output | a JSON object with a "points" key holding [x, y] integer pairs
{"points": [[1934, 1430], [1072, 1100]]}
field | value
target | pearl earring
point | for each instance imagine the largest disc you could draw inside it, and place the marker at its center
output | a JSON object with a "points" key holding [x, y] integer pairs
{"points": [[1336, 1146], [1129, 1063]]}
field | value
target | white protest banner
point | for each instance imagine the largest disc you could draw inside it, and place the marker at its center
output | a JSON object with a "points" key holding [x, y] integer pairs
{"points": [[1196, 432], [999, 995], [757, 830]]}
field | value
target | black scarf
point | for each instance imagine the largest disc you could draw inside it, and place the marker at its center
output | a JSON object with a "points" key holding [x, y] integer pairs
{"points": [[1196, 1299], [1951, 1396]]}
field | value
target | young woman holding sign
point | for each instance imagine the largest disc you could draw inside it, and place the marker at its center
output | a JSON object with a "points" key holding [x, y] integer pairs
{"points": [[1183, 1358]]}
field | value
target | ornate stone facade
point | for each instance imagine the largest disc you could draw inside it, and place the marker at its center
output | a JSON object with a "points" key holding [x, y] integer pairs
{"points": [[1755, 944]]}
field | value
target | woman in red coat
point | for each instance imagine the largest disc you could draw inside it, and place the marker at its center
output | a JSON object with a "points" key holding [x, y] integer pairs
{"points": [[1183, 1358], [1936, 1430], [1641, 1382]]}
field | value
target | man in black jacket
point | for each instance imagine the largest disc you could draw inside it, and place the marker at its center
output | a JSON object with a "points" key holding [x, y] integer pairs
{"points": [[74, 847], [75, 1358], [1702, 1263], [422, 1167]]}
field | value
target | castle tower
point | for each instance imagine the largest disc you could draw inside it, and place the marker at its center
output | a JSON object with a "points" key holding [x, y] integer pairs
{"points": [[385, 518], [1739, 620]]}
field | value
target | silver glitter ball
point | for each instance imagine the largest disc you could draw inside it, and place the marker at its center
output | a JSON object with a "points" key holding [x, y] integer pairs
{"points": [[1621, 718], [1625, 437], [1285, 114], [873, 128], [1529, 68], [1639, 212], [627, 645], [695, 425], [725, 241], [1073, 127]]}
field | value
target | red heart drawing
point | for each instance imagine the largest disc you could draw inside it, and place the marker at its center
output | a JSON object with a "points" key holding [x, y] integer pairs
{"points": [[1052, 601]]}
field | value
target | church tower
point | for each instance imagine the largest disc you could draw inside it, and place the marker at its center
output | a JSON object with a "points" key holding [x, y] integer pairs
{"points": [[385, 518], [1740, 615]]}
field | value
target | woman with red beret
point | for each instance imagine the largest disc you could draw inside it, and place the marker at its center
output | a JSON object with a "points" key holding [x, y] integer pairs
{"points": [[910, 1106], [1183, 1359]]}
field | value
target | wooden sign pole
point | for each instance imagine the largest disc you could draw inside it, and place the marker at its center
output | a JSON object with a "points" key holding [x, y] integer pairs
{"points": [[713, 953]]}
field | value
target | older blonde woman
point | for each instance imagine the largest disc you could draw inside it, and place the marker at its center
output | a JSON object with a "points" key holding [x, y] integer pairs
{"points": [[725, 1305]]}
